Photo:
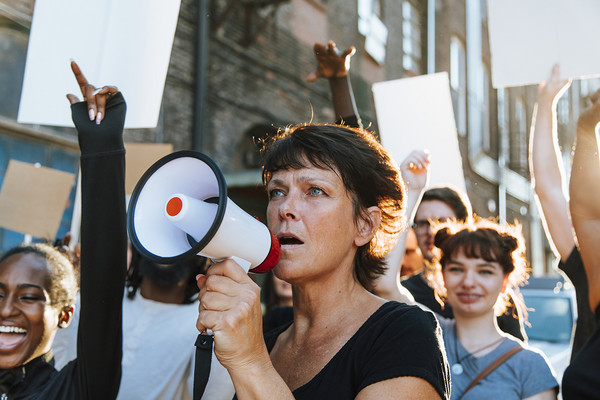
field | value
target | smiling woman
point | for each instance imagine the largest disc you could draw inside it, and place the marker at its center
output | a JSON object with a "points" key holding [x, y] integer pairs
{"points": [[482, 264], [37, 292]]}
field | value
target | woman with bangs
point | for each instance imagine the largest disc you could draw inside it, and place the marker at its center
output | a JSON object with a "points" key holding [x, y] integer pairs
{"points": [[336, 200], [482, 264]]}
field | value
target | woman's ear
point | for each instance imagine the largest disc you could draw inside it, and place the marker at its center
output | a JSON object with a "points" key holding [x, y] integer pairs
{"points": [[368, 223], [65, 316]]}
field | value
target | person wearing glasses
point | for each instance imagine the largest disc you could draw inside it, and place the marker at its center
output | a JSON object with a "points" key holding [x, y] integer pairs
{"points": [[437, 204]]}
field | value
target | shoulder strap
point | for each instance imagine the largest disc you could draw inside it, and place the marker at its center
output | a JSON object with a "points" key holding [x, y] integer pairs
{"points": [[495, 364], [204, 344]]}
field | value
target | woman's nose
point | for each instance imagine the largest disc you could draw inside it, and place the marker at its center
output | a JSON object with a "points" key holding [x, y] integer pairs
{"points": [[469, 279], [288, 207], [7, 306]]}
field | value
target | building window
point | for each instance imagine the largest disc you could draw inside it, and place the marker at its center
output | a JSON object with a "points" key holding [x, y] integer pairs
{"points": [[370, 25], [563, 110], [458, 83], [486, 140], [518, 142], [12, 68], [411, 37]]}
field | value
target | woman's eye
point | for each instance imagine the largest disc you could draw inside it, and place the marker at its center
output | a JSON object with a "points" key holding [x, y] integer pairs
{"points": [[31, 298], [275, 193], [315, 191]]}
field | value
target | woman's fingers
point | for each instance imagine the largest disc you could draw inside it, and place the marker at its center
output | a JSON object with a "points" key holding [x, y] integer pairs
{"points": [[349, 52], [95, 98], [72, 98], [81, 80]]}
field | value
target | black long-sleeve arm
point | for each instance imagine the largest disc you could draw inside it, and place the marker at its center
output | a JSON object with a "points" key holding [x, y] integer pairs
{"points": [[103, 249]]}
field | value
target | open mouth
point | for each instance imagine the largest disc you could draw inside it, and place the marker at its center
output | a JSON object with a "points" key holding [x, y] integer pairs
{"points": [[289, 240], [11, 336]]}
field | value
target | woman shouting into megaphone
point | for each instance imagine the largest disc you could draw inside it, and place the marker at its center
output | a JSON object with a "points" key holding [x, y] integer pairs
{"points": [[336, 201]]}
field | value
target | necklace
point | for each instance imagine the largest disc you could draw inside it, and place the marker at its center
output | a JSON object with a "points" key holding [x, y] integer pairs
{"points": [[457, 367]]}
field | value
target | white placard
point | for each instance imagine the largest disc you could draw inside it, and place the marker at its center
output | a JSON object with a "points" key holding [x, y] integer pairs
{"points": [[126, 43], [416, 114], [527, 37]]}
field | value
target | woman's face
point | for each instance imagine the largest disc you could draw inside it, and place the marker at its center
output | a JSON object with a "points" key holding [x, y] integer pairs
{"points": [[473, 284], [312, 215], [28, 322]]}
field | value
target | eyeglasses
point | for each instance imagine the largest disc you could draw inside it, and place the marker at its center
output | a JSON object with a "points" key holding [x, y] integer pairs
{"points": [[423, 224]]}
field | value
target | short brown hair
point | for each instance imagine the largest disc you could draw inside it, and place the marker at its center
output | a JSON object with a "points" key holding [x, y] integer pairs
{"points": [[367, 171]]}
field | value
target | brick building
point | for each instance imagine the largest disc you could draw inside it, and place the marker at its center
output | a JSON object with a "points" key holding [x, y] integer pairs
{"points": [[238, 68]]}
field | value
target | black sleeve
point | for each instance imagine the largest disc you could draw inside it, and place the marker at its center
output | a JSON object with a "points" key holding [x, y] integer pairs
{"points": [[103, 250], [586, 323]]}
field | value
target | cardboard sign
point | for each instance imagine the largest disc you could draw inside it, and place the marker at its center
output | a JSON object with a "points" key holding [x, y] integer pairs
{"points": [[33, 199], [124, 43], [139, 157], [527, 37], [416, 114]]}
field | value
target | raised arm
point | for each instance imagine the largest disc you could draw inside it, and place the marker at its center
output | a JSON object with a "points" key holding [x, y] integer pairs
{"points": [[99, 121], [415, 172], [547, 176], [334, 65], [584, 189]]}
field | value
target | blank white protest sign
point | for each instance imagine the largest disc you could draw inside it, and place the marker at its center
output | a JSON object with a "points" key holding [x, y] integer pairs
{"points": [[125, 43], [416, 114], [527, 37]]}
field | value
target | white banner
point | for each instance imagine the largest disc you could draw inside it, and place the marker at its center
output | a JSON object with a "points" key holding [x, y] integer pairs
{"points": [[527, 37], [125, 43], [416, 114]]}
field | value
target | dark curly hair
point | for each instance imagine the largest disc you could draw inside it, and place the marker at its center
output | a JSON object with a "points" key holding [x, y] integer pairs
{"points": [[63, 277], [367, 171], [183, 271]]}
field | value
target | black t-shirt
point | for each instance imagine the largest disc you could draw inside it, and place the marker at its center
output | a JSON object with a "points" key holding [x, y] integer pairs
{"points": [[424, 294], [581, 379], [276, 317], [397, 340], [586, 323]]}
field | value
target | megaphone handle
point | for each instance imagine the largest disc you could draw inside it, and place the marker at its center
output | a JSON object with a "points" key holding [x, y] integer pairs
{"points": [[241, 262], [204, 344]]}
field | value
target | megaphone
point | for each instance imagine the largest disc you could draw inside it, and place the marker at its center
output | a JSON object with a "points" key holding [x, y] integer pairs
{"points": [[180, 208]]}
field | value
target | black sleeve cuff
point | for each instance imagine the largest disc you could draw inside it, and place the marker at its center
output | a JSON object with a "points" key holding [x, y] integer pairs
{"points": [[106, 137]]}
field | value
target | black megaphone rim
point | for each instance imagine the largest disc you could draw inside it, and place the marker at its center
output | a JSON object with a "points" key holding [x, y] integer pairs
{"points": [[196, 247]]}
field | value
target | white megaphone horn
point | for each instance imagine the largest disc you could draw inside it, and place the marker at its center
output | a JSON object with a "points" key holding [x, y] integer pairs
{"points": [[180, 208]]}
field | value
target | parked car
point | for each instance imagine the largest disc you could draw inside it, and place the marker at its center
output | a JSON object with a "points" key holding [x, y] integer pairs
{"points": [[552, 316]]}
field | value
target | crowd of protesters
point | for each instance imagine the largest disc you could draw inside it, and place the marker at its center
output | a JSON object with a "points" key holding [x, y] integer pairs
{"points": [[351, 311]]}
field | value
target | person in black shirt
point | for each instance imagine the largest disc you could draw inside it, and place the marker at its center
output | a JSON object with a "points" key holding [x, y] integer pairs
{"points": [[547, 179], [335, 203], [580, 380]]}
